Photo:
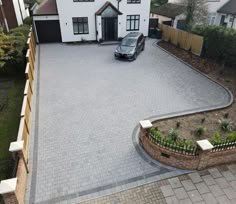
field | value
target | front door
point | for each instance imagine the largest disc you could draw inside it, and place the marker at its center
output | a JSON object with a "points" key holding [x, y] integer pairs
{"points": [[109, 28]]}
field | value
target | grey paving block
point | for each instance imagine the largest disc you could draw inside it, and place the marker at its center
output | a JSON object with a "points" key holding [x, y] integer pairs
{"points": [[188, 185], [180, 193], [228, 175], [216, 190], [208, 179], [233, 184], [185, 201], [167, 191], [174, 182], [194, 196], [195, 177], [201, 202], [230, 193], [209, 198], [233, 201], [232, 168], [202, 188], [222, 182], [172, 200], [215, 173], [223, 199]]}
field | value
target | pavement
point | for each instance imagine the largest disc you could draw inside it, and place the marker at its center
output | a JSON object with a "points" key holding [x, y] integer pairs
{"points": [[87, 108], [212, 186]]}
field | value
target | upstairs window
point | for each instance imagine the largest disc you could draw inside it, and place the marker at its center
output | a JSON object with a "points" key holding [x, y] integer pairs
{"points": [[80, 25], [133, 1]]}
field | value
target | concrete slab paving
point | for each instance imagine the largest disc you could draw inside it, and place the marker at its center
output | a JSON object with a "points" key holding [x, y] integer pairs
{"points": [[88, 106]]}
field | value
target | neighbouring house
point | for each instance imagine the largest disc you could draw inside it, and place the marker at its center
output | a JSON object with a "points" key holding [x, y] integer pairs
{"points": [[227, 14], [90, 20], [220, 12], [12, 13], [169, 14]]}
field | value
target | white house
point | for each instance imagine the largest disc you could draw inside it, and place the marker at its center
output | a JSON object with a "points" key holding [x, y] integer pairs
{"points": [[90, 20], [226, 15]]}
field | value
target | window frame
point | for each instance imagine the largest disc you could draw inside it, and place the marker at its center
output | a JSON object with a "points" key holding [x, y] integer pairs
{"points": [[130, 22], [78, 24], [133, 1]]}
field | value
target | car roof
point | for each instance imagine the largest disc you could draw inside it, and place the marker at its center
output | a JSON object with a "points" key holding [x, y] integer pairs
{"points": [[133, 35]]}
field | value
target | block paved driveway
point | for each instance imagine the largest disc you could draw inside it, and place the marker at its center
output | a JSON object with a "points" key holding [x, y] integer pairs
{"points": [[87, 108]]}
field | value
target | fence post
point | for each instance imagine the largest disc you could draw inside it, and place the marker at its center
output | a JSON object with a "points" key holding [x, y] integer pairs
{"points": [[145, 125], [8, 189], [204, 154], [18, 147]]}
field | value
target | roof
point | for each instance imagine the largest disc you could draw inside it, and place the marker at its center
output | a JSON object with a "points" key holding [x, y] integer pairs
{"points": [[133, 35], [103, 8], [169, 10], [229, 7], [47, 7]]}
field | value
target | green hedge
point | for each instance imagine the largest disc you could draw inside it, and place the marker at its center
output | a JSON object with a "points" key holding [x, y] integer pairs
{"points": [[219, 43], [17, 38]]}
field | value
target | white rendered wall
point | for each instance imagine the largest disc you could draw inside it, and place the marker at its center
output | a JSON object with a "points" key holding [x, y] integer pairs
{"points": [[25, 12], [69, 9]]}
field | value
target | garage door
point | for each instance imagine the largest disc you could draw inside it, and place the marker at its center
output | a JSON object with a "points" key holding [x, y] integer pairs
{"points": [[48, 31]]}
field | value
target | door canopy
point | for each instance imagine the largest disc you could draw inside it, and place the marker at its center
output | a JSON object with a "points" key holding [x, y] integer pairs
{"points": [[108, 10]]}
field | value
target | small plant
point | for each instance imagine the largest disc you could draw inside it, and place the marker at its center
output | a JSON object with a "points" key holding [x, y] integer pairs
{"points": [[225, 124], [231, 137], [226, 115], [173, 134], [169, 40], [203, 120], [200, 131], [178, 45], [178, 124], [216, 138]]}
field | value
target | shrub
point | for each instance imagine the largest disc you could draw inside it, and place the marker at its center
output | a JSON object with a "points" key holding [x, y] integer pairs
{"points": [[231, 137], [219, 43], [173, 134], [203, 120], [225, 124], [200, 131], [28, 21], [216, 138]]}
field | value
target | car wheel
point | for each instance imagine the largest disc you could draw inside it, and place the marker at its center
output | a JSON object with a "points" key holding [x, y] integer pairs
{"points": [[143, 48], [135, 56]]}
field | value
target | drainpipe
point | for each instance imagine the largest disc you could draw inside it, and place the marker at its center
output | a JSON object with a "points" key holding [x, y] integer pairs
{"points": [[4, 16], [20, 11], [233, 22], [118, 4]]}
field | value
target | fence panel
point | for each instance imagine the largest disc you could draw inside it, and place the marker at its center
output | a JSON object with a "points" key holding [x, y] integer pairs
{"points": [[182, 38], [28, 92], [26, 111]]}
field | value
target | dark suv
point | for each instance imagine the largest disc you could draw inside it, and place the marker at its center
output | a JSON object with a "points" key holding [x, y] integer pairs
{"points": [[130, 46]]}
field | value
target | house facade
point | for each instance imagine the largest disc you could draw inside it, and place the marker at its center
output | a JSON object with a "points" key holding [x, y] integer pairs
{"points": [[12, 13], [91, 20]]}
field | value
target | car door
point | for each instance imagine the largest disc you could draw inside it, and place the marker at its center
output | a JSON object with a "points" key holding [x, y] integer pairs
{"points": [[139, 47]]}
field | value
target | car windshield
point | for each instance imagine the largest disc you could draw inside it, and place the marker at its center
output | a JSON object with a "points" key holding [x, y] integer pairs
{"points": [[130, 42]]}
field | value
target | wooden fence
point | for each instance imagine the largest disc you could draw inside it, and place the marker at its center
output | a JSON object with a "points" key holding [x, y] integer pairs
{"points": [[20, 148], [183, 39]]}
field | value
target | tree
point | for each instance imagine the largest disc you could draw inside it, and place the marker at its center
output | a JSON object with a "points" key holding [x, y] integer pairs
{"points": [[196, 13], [6, 49]]}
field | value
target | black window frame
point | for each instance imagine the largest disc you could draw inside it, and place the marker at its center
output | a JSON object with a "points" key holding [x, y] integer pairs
{"points": [[133, 1], [130, 21], [78, 22]]}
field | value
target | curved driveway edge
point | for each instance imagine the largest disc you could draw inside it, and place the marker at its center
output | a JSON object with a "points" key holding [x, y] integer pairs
{"points": [[135, 135]]}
